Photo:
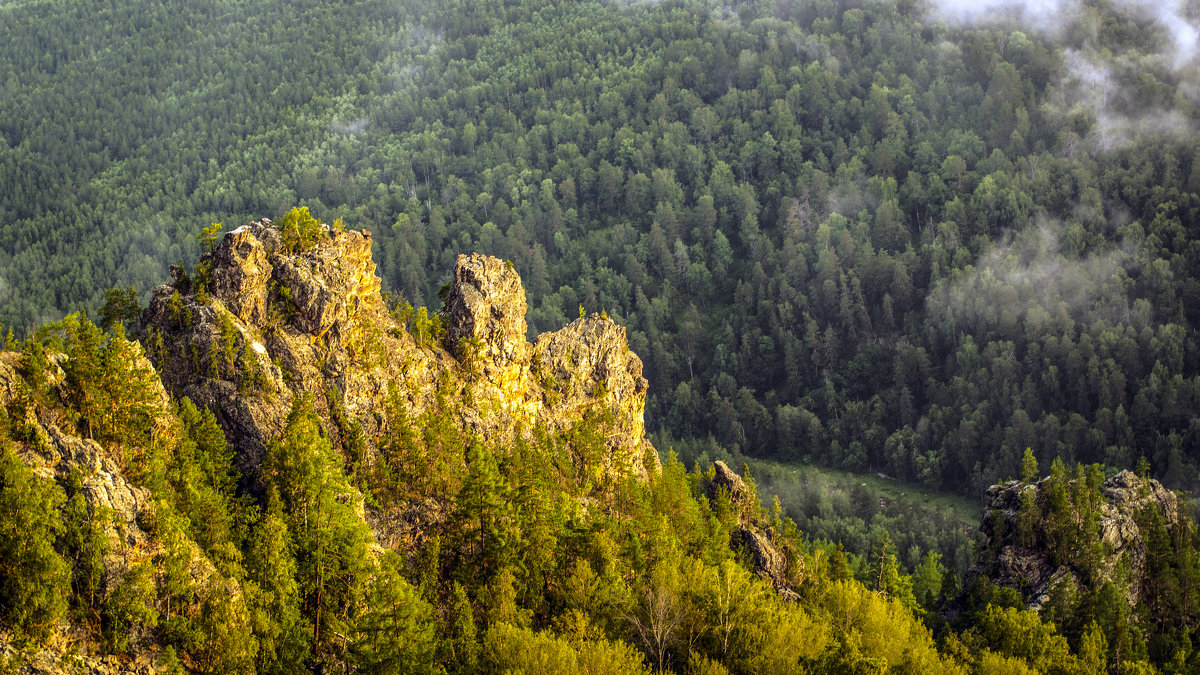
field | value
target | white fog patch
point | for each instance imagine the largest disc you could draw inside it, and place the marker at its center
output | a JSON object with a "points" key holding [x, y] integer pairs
{"points": [[1121, 119], [1099, 79], [350, 128], [1054, 18], [1041, 14], [1031, 279]]}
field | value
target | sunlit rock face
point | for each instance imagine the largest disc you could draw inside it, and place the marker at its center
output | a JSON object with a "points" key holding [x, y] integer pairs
{"points": [[270, 324]]}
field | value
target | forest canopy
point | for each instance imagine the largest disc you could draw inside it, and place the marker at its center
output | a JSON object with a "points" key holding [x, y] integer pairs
{"points": [[869, 235]]}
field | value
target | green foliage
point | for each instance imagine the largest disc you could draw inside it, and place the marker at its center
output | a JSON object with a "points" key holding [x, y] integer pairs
{"points": [[273, 596], [84, 544], [463, 644], [121, 306], [860, 242], [350, 434], [129, 608], [513, 649], [34, 578], [1029, 466], [829, 253], [209, 236], [1021, 634], [299, 231], [204, 484], [397, 634], [484, 523], [110, 385], [304, 479], [181, 314]]}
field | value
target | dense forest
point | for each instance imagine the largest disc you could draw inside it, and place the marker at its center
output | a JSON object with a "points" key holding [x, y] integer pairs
{"points": [[535, 565], [858, 234]]}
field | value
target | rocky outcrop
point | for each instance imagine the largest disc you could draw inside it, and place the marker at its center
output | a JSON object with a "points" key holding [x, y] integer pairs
{"points": [[123, 510], [57, 658], [9, 379], [726, 479], [1031, 565], [486, 311], [753, 536], [264, 324], [588, 366]]}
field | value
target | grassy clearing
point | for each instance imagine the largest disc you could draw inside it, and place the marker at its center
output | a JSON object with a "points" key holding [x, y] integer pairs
{"points": [[854, 509], [833, 506]]}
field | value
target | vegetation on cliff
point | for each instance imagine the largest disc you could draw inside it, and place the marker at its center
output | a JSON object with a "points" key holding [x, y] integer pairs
{"points": [[444, 540]]}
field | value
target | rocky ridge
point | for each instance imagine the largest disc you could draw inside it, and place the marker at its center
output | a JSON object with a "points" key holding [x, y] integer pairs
{"points": [[258, 325], [122, 508], [268, 324]]}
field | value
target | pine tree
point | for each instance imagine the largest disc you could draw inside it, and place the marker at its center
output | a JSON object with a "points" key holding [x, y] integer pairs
{"points": [[463, 632], [396, 635], [304, 476], [274, 596], [485, 519], [34, 578]]}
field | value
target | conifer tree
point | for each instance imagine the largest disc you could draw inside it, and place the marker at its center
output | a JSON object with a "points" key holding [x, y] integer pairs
{"points": [[396, 635], [34, 578], [274, 595], [305, 477], [485, 519], [464, 642]]}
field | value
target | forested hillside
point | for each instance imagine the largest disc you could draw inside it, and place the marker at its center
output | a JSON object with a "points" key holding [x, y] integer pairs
{"points": [[853, 233], [445, 529]]}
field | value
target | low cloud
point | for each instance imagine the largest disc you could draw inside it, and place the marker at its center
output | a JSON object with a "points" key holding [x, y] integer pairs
{"points": [[352, 127], [1057, 19], [1105, 80], [1031, 280], [1122, 115]]}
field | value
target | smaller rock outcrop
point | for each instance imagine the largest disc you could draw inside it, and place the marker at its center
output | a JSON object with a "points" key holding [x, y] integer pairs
{"points": [[588, 367], [485, 308], [753, 536], [1026, 524]]}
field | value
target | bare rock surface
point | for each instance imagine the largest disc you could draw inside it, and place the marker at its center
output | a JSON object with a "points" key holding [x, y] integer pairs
{"points": [[273, 324]]}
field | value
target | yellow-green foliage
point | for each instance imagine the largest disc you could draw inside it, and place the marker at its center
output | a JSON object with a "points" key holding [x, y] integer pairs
{"points": [[299, 230], [873, 629], [508, 649], [525, 557], [991, 663]]}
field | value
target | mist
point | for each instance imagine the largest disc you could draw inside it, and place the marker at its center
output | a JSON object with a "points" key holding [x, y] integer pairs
{"points": [[1100, 78], [1032, 279], [1055, 19]]}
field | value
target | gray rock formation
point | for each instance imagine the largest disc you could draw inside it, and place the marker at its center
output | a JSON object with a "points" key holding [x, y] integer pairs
{"points": [[1033, 570], [753, 536]]}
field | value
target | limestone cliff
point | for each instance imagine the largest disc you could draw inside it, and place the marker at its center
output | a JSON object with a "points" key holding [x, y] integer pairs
{"points": [[262, 323], [1032, 565]]}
